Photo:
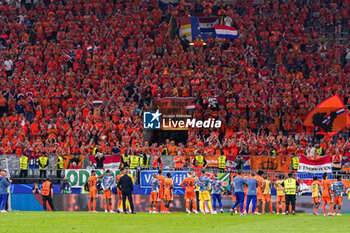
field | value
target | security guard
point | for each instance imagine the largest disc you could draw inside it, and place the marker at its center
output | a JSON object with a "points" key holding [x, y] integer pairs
{"points": [[125, 160], [59, 166], [47, 193], [290, 187], [144, 161], [134, 161], [23, 165], [200, 160], [295, 162], [222, 162], [319, 150], [43, 165]]}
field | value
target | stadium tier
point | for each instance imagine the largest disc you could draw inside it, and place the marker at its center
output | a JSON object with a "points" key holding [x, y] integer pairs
{"points": [[175, 105]]}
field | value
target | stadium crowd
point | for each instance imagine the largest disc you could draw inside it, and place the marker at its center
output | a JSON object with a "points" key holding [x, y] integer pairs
{"points": [[77, 74]]}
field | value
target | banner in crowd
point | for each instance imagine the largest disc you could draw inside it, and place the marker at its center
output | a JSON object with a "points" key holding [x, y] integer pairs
{"points": [[176, 176], [67, 158], [329, 117], [110, 162], [173, 110], [231, 164], [227, 32], [191, 27], [315, 166], [270, 163], [78, 177]]}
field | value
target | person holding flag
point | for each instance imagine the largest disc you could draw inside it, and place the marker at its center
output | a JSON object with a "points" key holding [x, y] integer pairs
{"points": [[107, 183]]}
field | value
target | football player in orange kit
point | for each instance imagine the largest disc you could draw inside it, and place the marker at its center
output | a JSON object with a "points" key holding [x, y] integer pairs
{"points": [[93, 190], [326, 195], [168, 192], [190, 196], [161, 178]]}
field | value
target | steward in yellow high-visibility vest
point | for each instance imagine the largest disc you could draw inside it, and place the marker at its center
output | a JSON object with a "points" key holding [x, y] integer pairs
{"points": [[201, 162], [23, 165], [222, 162], [125, 160], [144, 161], [134, 161], [43, 165], [290, 187], [59, 166]]}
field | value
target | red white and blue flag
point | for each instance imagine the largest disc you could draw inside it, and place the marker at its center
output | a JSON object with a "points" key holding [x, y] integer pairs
{"points": [[315, 166], [223, 31]]}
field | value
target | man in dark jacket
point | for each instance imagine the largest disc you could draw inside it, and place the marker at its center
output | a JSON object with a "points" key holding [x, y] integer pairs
{"points": [[239, 162], [126, 186]]}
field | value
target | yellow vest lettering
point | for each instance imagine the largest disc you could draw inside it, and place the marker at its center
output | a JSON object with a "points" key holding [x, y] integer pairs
{"points": [[60, 163], [23, 162], [222, 161], [200, 160], [125, 159], [134, 162], [290, 186], [144, 164], [295, 163]]}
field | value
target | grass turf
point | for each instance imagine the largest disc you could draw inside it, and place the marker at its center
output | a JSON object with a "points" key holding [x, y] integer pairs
{"points": [[51, 222]]}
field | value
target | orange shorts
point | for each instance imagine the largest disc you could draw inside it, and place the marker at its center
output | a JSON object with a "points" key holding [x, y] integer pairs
{"points": [[154, 196], [168, 197], [93, 193], [316, 199], [107, 194], [266, 198], [190, 196], [338, 200], [259, 196], [161, 194], [326, 200], [119, 194], [281, 198]]}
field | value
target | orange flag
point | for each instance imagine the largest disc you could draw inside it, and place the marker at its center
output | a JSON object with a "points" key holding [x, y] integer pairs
{"points": [[330, 116]]}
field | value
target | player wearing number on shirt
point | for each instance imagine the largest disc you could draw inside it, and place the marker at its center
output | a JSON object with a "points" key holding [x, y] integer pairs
{"points": [[338, 190], [155, 184], [190, 196], [326, 195], [168, 192], [316, 193]]}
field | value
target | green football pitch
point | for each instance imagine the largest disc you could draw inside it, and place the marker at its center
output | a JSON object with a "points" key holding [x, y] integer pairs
{"points": [[51, 222]]}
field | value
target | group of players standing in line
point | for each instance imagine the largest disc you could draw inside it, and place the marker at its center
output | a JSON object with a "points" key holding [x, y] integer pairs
{"points": [[252, 189]]}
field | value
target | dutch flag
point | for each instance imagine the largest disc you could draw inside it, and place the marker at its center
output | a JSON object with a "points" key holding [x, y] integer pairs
{"points": [[223, 31]]}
